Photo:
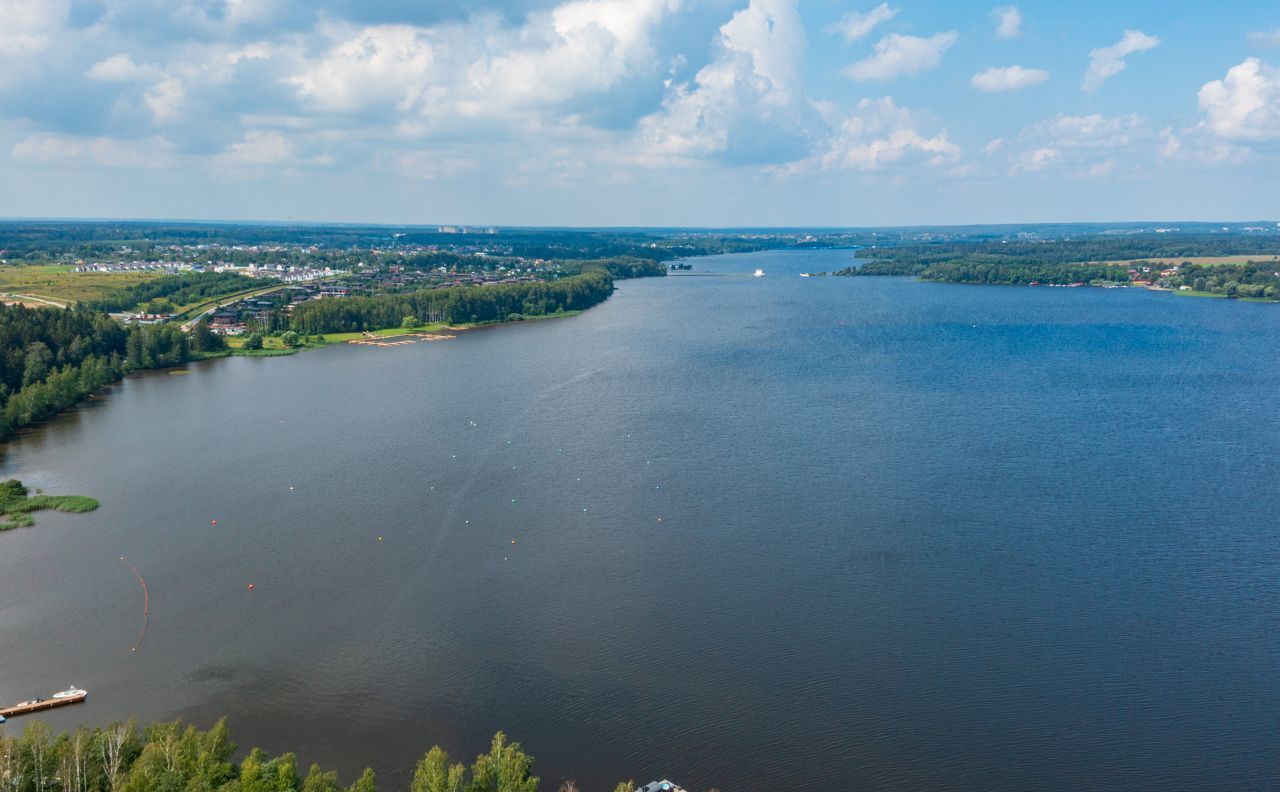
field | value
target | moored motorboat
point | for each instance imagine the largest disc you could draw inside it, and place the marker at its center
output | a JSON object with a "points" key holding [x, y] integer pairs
{"points": [[70, 692], [72, 695]]}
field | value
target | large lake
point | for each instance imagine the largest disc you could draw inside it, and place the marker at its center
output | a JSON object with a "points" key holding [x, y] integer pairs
{"points": [[752, 533]]}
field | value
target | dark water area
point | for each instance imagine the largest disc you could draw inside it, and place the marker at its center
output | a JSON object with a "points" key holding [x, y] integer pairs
{"points": [[769, 533]]}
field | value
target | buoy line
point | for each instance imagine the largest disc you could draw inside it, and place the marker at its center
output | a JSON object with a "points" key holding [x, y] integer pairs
{"points": [[146, 603]]}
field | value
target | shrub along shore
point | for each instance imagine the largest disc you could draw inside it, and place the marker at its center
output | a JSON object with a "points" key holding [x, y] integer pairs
{"points": [[16, 504]]}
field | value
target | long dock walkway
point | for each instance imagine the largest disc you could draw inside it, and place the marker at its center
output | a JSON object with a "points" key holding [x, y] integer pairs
{"points": [[38, 705]]}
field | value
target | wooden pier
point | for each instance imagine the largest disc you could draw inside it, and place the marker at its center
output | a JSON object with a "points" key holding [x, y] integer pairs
{"points": [[409, 338], [28, 707]]}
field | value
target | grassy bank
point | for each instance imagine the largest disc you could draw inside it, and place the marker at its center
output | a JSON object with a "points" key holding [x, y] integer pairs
{"points": [[273, 346], [1192, 293]]}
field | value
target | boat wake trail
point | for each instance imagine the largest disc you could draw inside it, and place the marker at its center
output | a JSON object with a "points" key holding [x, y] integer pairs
{"points": [[146, 603]]}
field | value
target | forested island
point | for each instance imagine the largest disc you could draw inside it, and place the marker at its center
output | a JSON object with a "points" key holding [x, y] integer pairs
{"points": [[166, 757], [1239, 265]]}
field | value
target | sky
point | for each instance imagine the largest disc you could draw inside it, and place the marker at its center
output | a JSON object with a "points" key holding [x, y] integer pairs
{"points": [[640, 112]]}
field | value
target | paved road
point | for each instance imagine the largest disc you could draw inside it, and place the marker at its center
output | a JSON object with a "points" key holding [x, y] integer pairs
{"points": [[33, 298], [230, 300]]}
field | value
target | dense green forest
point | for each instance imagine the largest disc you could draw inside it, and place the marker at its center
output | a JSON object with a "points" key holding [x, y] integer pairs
{"points": [[1068, 261], [50, 358], [619, 267], [1086, 249], [171, 291], [1253, 280], [173, 757], [179, 289], [989, 269], [456, 305]]}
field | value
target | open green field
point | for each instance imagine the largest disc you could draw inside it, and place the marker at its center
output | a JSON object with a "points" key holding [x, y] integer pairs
{"points": [[1193, 293], [62, 284]]}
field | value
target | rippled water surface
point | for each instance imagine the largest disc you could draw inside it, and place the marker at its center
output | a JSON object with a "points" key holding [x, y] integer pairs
{"points": [[752, 533]]}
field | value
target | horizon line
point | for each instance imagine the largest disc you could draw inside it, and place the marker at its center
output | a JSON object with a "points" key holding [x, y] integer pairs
{"points": [[729, 228]]}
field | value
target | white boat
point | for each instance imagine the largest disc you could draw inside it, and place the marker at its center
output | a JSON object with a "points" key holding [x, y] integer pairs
{"points": [[758, 273], [70, 692], [805, 275]]}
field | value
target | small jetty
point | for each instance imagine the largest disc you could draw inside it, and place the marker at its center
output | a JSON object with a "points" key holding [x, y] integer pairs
{"points": [[370, 339], [72, 695]]}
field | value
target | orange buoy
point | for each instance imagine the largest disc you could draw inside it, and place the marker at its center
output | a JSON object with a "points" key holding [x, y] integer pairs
{"points": [[251, 587], [213, 522]]}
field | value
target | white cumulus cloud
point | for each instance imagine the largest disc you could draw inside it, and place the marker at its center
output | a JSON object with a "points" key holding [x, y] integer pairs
{"points": [[896, 55], [484, 67], [1007, 78], [748, 104], [260, 148], [857, 24], [1106, 62], [121, 68], [108, 152], [1092, 145], [27, 27], [1008, 21], [1245, 105], [166, 98], [1170, 144], [877, 134], [389, 64]]}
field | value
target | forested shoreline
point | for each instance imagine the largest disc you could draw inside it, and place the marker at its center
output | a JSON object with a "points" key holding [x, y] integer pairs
{"points": [[173, 756], [54, 357], [471, 305], [978, 270], [1164, 261]]}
